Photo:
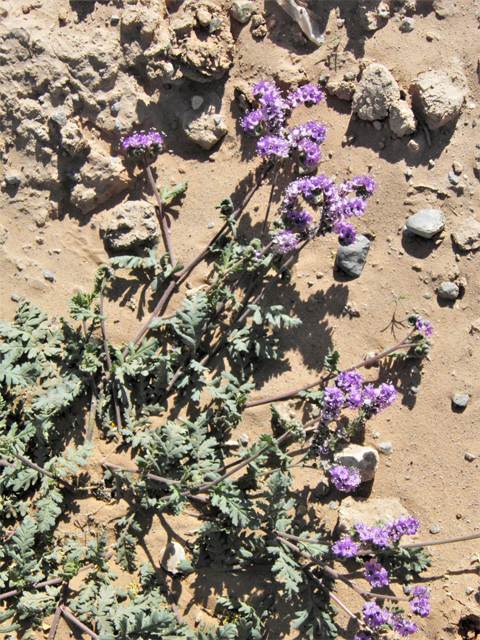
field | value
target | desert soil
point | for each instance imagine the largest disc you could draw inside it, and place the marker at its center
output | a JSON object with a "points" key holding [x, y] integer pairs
{"points": [[82, 57]]}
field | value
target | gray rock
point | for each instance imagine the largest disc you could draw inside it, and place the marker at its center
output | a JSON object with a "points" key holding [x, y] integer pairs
{"points": [[435, 529], [15, 297], [375, 93], [342, 89], [13, 180], [470, 457], [467, 235], [59, 117], [115, 108], [171, 555], [407, 25], [457, 167], [333, 505], [402, 119], [365, 459], [369, 512], [439, 96], [351, 258], [210, 225], [385, 448], [49, 275], [350, 76], [448, 291], [444, 8], [205, 126], [242, 10], [460, 400], [196, 102], [453, 179], [130, 225], [322, 489], [426, 223]]}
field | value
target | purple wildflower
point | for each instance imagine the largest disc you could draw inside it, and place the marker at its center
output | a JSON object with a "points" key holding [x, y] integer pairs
{"points": [[349, 380], [420, 604], [364, 532], [138, 144], [300, 218], [285, 241], [274, 108], [346, 231], [311, 130], [355, 399], [333, 400], [273, 147], [353, 207], [403, 626], [380, 536], [252, 121], [425, 326], [376, 575], [386, 394], [403, 526], [345, 478], [310, 153], [363, 635], [345, 548], [374, 616], [374, 400], [308, 94], [363, 184]]}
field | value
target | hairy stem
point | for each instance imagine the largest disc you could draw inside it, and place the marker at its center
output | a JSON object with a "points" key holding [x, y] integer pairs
{"points": [[364, 363], [150, 476], [34, 466], [161, 214], [108, 358], [274, 182], [333, 597], [69, 616]]}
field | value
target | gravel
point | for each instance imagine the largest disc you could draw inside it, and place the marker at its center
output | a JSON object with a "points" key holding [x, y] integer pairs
{"points": [[470, 457], [460, 400]]}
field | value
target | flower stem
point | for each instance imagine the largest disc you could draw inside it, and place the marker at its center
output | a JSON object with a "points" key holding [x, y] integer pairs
{"points": [[161, 214], [333, 597], [34, 466], [108, 359], [69, 616], [364, 363], [431, 543], [274, 182], [150, 476]]}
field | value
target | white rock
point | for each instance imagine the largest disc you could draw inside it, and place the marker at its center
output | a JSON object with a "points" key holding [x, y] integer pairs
{"points": [[439, 96], [402, 119], [376, 92], [171, 556], [365, 459], [369, 512], [467, 234], [205, 126], [242, 10], [131, 225], [426, 223]]}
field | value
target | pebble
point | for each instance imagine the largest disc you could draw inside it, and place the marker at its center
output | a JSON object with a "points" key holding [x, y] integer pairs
{"points": [[333, 505], [407, 589], [453, 178], [115, 108], [469, 591], [243, 440], [13, 180], [470, 457], [460, 400], [409, 172], [114, 19], [196, 102], [448, 291], [15, 297], [48, 275], [199, 619], [59, 117], [210, 225], [351, 258], [171, 555], [407, 25], [435, 529], [426, 223], [457, 167], [350, 76], [385, 448], [377, 125], [322, 489]]}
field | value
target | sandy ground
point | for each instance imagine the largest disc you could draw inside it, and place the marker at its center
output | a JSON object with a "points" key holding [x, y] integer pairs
{"points": [[427, 470]]}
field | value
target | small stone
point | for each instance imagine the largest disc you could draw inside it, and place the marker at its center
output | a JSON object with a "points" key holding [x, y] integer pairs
{"points": [[210, 225], [409, 173], [350, 76], [115, 108], [407, 25], [204, 16], [402, 119], [199, 619], [242, 10], [59, 117], [435, 529], [431, 163], [333, 506], [467, 234], [351, 258], [364, 459], [457, 167], [385, 448], [469, 591], [414, 389], [196, 102], [407, 589], [171, 555], [453, 178], [15, 297], [448, 291], [13, 180], [243, 440], [114, 19], [49, 275], [413, 146], [470, 457], [426, 223], [302, 511], [377, 125], [460, 400]]}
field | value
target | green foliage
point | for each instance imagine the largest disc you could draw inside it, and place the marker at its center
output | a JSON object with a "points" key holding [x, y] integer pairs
{"points": [[168, 194], [331, 361]]}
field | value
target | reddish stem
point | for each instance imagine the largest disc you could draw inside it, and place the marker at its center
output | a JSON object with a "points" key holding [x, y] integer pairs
{"points": [[161, 214]]}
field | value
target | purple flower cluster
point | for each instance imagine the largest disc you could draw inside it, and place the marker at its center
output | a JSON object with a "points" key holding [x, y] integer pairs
{"points": [[403, 626], [300, 218], [345, 548], [273, 147], [333, 400], [420, 604], [375, 400], [285, 241], [310, 153], [376, 575], [311, 130], [345, 478], [374, 616], [425, 326], [307, 94], [337, 206], [350, 380], [138, 145], [383, 535]]}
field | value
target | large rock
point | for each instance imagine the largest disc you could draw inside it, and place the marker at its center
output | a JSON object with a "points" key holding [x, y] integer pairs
{"points": [[377, 91], [426, 223], [170, 557], [369, 512], [351, 258], [131, 225], [402, 119], [73, 141], [439, 96], [365, 459], [467, 235], [205, 126], [448, 291]]}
